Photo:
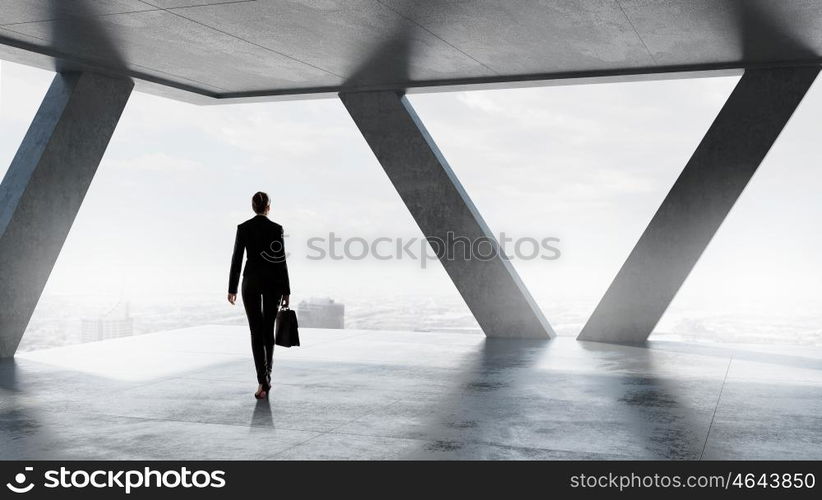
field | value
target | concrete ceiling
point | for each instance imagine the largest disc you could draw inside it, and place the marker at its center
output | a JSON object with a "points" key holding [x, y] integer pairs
{"points": [[199, 50]]}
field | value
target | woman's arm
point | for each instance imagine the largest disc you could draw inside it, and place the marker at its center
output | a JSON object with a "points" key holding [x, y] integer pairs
{"points": [[286, 281], [236, 265]]}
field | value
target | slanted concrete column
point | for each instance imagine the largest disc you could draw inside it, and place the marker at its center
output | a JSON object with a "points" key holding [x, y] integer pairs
{"points": [[45, 186], [717, 173], [449, 220]]}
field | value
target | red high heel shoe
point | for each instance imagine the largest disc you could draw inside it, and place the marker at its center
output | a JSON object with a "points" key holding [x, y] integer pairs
{"points": [[261, 393]]}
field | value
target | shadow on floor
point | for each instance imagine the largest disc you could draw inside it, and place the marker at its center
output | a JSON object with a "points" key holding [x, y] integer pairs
{"points": [[670, 422], [489, 373], [497, 381], [262, 416], [8, 374]]}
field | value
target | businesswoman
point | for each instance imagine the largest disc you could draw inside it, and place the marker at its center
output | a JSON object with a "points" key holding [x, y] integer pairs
{"points": [[265, 283]]}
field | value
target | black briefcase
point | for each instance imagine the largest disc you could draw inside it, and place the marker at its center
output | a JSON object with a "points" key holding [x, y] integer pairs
{"points": [[285, 333]]}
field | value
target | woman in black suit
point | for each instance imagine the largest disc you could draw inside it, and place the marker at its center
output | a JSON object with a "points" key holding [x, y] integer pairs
{"points": [[265, 283]]}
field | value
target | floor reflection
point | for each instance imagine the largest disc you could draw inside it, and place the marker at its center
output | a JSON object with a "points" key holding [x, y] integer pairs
{"points": [[663, 413], [414, 396], [808, 362], [482, 380], [262, 414], [8, 374], [504, 402], [22, 430]]}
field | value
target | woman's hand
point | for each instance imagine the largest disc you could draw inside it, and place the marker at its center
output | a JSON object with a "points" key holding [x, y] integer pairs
{"points": [[232, 298], [285, 300]]}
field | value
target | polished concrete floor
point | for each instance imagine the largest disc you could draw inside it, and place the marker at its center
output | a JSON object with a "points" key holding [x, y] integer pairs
{"points": [[349, 394]]}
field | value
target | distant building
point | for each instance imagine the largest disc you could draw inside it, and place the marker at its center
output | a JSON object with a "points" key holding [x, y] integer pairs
{"points": [[321, 312], [117, 322]]}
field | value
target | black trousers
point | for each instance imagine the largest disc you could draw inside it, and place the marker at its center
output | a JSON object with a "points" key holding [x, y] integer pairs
{"points": [[261, 303]]}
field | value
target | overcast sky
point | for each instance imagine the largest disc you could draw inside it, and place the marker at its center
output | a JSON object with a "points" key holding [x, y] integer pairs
{"points": [[587, 164]]}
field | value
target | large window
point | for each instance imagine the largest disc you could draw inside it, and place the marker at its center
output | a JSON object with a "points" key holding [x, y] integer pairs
{"points": [[759, 279], [587, 164], [584, 167], [150, 248]]}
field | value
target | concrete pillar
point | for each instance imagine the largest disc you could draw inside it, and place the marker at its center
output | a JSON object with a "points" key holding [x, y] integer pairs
{"points": [[717, 173], [45, 186], [449, 220]]}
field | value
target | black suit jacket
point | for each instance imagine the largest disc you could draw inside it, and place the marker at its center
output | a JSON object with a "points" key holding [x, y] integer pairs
{"points": [[262, 240]]}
